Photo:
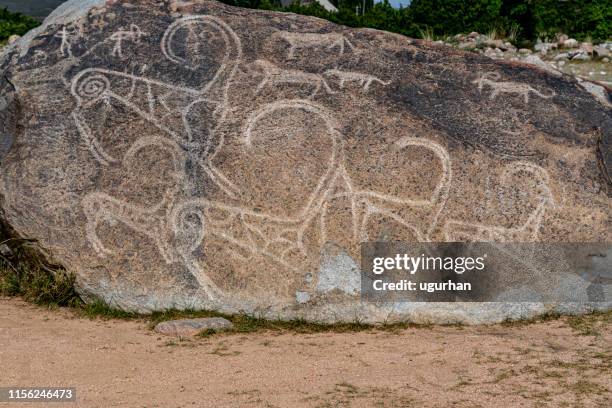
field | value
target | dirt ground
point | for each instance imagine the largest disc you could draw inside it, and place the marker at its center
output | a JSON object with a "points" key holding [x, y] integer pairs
{"points": [[114, 363]]}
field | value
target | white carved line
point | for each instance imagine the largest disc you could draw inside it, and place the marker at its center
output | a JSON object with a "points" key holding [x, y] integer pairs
{"points": [[306, 40], [529, 231], [133, 34], [372, 210], [90, 140], [442, 190], [67, 36], [492, 80], [316, 199], [365, 80], [276, 75]]}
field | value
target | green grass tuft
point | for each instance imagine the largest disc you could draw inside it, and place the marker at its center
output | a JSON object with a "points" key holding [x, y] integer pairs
{"points": [[545, 317], [99, 309], [24, 272]]}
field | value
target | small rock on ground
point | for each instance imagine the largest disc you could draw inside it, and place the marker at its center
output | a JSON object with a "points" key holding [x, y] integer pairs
{"points": [[191, 327]]}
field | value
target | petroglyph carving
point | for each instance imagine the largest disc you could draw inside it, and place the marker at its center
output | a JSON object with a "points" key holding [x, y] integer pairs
{"points": [[167, 167], [337, 183], [205, 24], [299, 41], [94, 86], [168, 222], [364, 80], [67, 36], [427, 212], [100, 207], [134, 34], [179, 226], [492, 80], [528, 232], [276, 75]]}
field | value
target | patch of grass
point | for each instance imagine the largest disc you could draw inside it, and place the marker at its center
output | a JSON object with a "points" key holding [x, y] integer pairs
{"points": [[99, 309], [545, 317], [585, 325], [513, 32], [245, 392], [523, 351], [590, 324], [493, 34], [223, 351], [463, 382], [170, 343], [25, 272], [249, 324], [427, 33], [346, 388], [584, 387], [207, 332], [552, 374]]}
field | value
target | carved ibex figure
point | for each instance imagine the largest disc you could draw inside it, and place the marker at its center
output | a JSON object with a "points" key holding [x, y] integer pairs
{"points": [[527, 232]]}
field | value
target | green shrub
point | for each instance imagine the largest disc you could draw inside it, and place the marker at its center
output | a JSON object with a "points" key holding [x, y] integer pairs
{"points": [[456, 16], [578, 18], [14, 23], [515, 19], [24, 272]]}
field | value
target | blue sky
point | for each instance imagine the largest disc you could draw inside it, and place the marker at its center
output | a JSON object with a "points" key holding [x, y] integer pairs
{"points": [[396, 3]]}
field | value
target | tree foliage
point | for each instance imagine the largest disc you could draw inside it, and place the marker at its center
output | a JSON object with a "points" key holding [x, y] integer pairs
{"points": [[580, 18], [529, 18], [456, 16], [14, 23]]}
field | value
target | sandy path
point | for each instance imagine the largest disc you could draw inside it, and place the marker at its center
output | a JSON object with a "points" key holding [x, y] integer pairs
{"points": [[124, 364]]}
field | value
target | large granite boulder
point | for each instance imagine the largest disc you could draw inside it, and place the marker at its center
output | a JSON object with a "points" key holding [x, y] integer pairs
{"points": [[190, 154]]}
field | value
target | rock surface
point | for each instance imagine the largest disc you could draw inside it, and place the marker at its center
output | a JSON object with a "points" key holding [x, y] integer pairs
{"points": [[195, 155], [192, 327], [13, 38]]}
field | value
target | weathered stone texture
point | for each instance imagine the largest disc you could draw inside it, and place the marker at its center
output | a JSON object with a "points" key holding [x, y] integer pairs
{"points": [[191, 154], [193, 327]]}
